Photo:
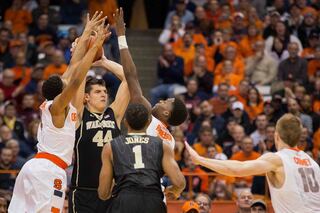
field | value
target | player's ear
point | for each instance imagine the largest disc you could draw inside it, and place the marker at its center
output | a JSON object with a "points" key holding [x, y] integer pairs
{"points": [[86, 97]]}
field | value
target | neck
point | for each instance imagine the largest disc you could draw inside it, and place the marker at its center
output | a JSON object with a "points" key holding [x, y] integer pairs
{"points": [[94, 110], [247, 153], [262, 131], [155, 114], [5, 166], [283, 145], [134, 131]]}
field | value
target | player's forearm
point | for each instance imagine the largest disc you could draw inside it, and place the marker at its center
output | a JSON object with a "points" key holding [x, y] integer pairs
{"points": [[226, 167], [115, 68]]}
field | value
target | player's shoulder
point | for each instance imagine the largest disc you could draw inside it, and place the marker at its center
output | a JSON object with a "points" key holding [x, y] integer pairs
{"points": [[271, 157]]}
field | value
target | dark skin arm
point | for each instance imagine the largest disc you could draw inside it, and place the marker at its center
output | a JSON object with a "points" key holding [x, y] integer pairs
{"points": [[129, 68], [106, 173]]}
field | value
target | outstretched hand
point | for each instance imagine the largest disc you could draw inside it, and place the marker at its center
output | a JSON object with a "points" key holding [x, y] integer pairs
{"points": [[93, 23], [171, 193], [119, 22], [195, 157], [102, 34]]}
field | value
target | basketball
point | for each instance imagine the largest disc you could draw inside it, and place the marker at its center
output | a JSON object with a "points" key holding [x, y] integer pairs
{"points": [[100, 50]]}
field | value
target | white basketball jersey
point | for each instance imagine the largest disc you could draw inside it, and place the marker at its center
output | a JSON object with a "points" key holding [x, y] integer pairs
{"points": [[301, 190], [57, 141], [158, 129]]}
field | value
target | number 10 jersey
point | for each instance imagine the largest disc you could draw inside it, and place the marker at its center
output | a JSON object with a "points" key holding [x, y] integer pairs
{"points": [[94, 132], [300, 191]]}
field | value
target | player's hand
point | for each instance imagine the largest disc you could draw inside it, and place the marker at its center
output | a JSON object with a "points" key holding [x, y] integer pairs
{"points": [[102, 34], [74, 44], [195, 157], [101, 62], [119, 22], [93, 23], [171, 193]]}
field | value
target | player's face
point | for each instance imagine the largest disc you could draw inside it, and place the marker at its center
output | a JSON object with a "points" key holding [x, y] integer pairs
{"points": [[164, 105], [97, 97]]}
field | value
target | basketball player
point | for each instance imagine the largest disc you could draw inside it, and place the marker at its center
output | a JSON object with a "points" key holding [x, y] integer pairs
{"points": [[97, 125], [41, 183], [293, 176], [137, 161]]}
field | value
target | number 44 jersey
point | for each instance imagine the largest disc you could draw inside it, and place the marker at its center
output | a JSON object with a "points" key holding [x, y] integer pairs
{"points": [[300, 191], [94, 132]]}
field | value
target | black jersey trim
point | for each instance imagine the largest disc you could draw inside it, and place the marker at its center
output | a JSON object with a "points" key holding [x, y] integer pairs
{"points": [[77, 152]]}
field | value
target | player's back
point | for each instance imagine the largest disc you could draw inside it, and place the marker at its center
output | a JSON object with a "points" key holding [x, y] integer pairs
{"points": [[53, 140], [300, 191], [137, 161]]}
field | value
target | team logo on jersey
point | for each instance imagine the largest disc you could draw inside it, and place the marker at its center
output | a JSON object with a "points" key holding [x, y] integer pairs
{"points": [[107, 116], [73, 116]]}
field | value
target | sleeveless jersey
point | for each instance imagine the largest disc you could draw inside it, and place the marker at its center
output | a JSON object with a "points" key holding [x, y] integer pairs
{"points": [[93, 133], [157, 129], [137, 162], [301, 190], [57, 141]]}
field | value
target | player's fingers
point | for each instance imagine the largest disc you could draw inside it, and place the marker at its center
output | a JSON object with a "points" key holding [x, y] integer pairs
{"points": [[88, 17], [121, 12], [95, 15], [98, 18]]}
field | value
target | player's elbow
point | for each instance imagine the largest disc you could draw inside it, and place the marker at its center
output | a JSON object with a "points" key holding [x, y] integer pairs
{"points": [[180, 182], [104, 194]]}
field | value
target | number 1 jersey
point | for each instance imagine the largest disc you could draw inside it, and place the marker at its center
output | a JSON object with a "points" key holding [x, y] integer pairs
{"points": [[94, 132], [300, 191]]}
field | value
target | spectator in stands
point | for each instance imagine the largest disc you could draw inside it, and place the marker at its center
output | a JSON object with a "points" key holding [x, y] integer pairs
{"points": [[70, 10], [57, 66], [192, 98], [244, 202], [173, 33], [4, 47], [185, 51], [241, 91], [36, 76], [254, 104], [295, 19], [217, 122], [261, 68], [32, 140], [22, 71], [203, 76], [202, 24], [46, 52], [278, 51], [205, 140], [306, 108], [7, 180], [170, 74], [180, 10], [247, 42], [246, 153], [313, 42], [225, 138], [5, 134], [220, 189], [190, 207], [269, 140], [259, 135], [282, 32], [44, 8], [239, 26], [294, 108], [258, 206], [234, 146], [200, 182], [305, 142], [314, 65], [241, 116], [294, 67], [7, 85], [220, 102], [3, 205], [307, 27], [27, 111], [10, 119], [270, 29], [42, 31], [227, 75], [204, 201], [17, 160], [19, 17]]}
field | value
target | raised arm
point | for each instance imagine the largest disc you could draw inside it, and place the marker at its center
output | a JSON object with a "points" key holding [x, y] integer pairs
{"points": [[61, 102], [106, 173], [129, 67], [268, 162], [171, 168], [121, 101]]}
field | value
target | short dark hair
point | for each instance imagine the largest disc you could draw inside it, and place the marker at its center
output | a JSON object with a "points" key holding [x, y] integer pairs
{"points": [[179, 113], [90, 81], [52, 87], [137, 116]]}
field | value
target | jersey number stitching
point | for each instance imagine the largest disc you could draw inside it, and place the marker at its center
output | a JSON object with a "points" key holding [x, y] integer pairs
{"points": [[309, 180], [138, 157], [100, 140]]}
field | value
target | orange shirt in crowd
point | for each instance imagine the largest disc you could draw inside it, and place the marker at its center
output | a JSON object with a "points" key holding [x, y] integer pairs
{"points": [[23, 73], [313, 66], [238, 67], [229, 78], [307, 52], [107, 6], [202, 175], [236, 93], [316, 144], [218, 106], [240, 156], [187, 55], [20, 20], [203, 151], [316, 106], [210, 65], [246, 45], [52, 69], [254, 111]]}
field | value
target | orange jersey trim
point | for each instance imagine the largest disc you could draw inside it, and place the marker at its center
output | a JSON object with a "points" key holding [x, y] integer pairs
{"points": [[53, 158]]}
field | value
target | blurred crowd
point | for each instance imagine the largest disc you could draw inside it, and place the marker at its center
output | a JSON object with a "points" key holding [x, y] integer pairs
{"points": [[238, 64]]}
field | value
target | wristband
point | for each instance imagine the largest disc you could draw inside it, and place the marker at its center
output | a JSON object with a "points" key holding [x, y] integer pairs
{"points": [[122, 42]]}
